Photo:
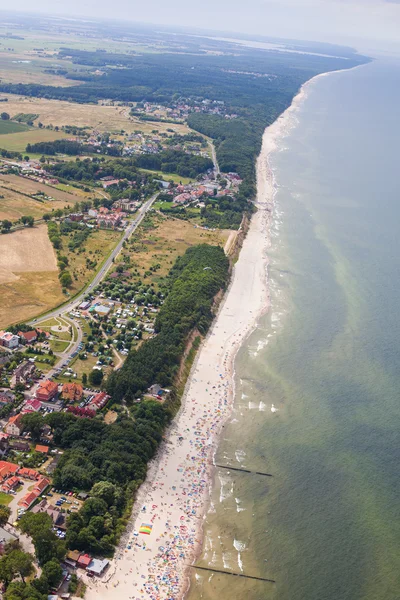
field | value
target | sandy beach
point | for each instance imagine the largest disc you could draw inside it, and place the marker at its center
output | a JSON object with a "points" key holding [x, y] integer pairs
{"points": [[171, 504]]}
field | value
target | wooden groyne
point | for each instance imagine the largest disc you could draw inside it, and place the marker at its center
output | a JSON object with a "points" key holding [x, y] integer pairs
{"points": [[243, 470], [233, 574]]}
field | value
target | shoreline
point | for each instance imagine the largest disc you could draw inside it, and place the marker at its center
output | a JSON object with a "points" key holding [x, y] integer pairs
{"points": [[175, 497]]}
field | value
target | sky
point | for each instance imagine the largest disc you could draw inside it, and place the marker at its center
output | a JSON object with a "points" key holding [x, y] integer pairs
{"points": [[361, 23]]}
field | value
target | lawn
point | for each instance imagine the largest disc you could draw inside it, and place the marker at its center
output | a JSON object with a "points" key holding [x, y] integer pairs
{"points": [[11, 127], [59, 345], [5, 499], [169, 176]]}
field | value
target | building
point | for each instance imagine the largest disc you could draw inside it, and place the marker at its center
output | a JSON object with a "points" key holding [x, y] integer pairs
{"points": [[99, 401], [84, 305], [47, 390], [9, 340], [53, 512], [27, 501], [6, 398], [7, 469], [42, 449], [72, 392], [27, 337], [97, 566], [10, 484], [84, 561], [24, 372], [27, 473], [41, 485], [32, 405], [14, 425], [102, 310]]}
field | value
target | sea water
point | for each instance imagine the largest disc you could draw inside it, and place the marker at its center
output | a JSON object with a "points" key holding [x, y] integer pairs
{"points": [[318, 383]]}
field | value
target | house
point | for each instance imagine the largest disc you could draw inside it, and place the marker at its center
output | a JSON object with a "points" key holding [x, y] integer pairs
{"points": [[84, 561], [72, 392], [10, 484], [24, 372], [155, 389], [20, 445], [97, 566], [6, 398], [28, 337], [72, 557], [27, 501], [99, 401], [7, 469], [92, 212], [47, 390], [28, 473], [9, 340], [33, 405], [56, 515], [42, 449], [14, 425], [41, 485]]}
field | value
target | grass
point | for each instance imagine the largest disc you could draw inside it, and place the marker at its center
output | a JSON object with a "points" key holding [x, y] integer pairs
{"points": [[5, 499], [160, 240], [94, 116], [16, 200], [169, 176], [17, 140], [97, 247], [7, 127], [59, 345]]}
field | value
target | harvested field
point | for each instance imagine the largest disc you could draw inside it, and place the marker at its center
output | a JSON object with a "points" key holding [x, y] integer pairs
{"points": [[94, 116], [14, 200], [17, 142], [28, 275], [25, 250]]}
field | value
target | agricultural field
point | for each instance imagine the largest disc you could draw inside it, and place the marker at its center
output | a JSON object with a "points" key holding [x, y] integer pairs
{"points": [[28, 275], [7, 127], [18, 140], [95, 116], [15, 201]]}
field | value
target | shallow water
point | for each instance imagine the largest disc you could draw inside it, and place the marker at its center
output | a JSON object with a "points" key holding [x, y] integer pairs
{"points": [[317, 403]]}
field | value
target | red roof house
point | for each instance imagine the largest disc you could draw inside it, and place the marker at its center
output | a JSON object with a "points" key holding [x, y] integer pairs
{"points": [[14, 425], [47, 390], [28, 337], [84, 561], [41, 485], [27, 501], [33, 405]]}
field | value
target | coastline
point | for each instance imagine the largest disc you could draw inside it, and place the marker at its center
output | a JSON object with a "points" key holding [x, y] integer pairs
{"points": [[175, 496]]}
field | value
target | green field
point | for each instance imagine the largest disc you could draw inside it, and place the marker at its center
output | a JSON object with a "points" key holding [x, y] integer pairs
{"points": [[11, 127], [17, 139], [169, 176]]}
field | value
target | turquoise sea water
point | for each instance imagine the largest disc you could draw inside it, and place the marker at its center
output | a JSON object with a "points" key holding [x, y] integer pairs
{"points": [[326, 526]]}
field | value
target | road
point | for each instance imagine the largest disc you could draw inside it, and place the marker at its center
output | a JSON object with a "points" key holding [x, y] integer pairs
{"points": [[214, 158], [74, 303]]}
